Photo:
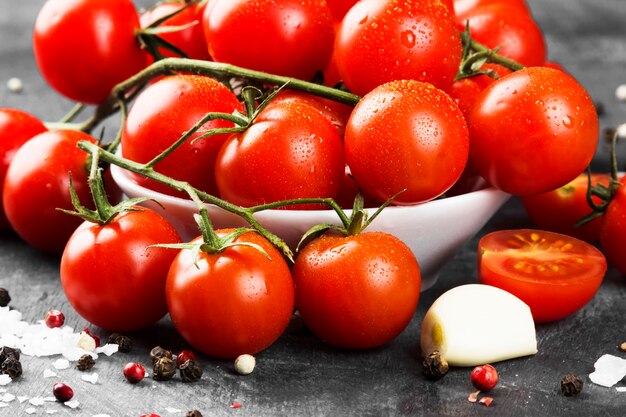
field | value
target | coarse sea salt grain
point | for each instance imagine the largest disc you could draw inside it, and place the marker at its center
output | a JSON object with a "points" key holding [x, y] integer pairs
{"points": [[609, 370], [31, 410], [47, 373], [101, 415], [36, 401], [620, 389], [22, 398], [5, 379], [93, 378], [72, 403], [61, 364], [3, 404], [108, 349], [172, 410], [7, 398]]}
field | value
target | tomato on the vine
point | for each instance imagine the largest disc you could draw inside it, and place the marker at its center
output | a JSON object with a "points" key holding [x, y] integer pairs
{"points": [[466, 90], [290, 151], [559, 210], [113, 276], [166, 110], [233, 302], [613, 231], [295, 39], [554, 274], [378, 42], [356, 292], [16, 127], [504, 26], [191, 39], [83, 48], [406, 135], [37, 183], [532, 131]]}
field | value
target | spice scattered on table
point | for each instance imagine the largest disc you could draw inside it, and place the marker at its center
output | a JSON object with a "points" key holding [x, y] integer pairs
{"points": [[620, 92], [571, 385], [54, 318], [193, 413], [15, 85], [244, 364], [622, 347], [158, 352], [486, 401], [124, 343], [134, 372], [190, 371], [85, 362], [484, 377], [5, 298], [184, 356], [434, 366], [164, 369], [62, 392]]}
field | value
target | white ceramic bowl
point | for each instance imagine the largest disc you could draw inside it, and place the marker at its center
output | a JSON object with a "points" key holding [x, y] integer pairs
{"points": [[434, 231]]}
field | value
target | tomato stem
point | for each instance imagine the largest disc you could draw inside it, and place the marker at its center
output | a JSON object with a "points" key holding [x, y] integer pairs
{"points": [[218, 70], [200, 197]]}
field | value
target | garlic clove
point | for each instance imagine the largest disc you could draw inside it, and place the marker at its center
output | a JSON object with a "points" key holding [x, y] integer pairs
{"points": [[475, 324]]}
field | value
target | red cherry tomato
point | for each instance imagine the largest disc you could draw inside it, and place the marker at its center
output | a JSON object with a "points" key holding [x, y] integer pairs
{"points": [[190, 40], [560, 209], [554, 274], [295, 39], [339, 8], [379, 42], [406, 135], [83, 48], [16, 127], [233, 302], [506, 27], [357, 292], [290, 151], [613, 231], [37, 183], [461, 7], [533, 131], [336, 113], [465, 91], [162, 114], [111, 274]]}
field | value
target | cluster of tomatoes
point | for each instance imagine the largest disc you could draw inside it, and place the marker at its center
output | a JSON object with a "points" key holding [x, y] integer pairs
{"points": [[433, 113]]}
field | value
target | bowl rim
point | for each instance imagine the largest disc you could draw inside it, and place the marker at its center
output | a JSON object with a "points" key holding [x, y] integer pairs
{"points": [[125, 182]]}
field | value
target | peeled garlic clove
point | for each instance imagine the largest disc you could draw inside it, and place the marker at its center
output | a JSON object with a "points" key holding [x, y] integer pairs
{"points": [[475, 324]]}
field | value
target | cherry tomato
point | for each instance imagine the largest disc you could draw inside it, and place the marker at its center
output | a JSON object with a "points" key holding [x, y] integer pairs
{"points": [[461, 7], [83, 48], [190, 40], [357, 292], [233, 302], [613, 231], [554, 274], [532, 131], [162, 114], [339, 8], [560, 209], [379, 42], [406, 135], [16, 127], [295, 39], [506, 27], [111, 274], [336, 113], [465, 90], [37, 183], [290, 151]]}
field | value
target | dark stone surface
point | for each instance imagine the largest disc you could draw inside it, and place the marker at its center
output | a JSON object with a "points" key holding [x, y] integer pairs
{"points": [[299, 375]]}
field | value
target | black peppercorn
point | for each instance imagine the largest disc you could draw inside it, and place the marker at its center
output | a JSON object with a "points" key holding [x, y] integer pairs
{"points": [[193, 413], [11, 367], [434, 366], [164, 369], [124, 343], [5, 298], [571, 385], [158, 352], [8, 352], [190, 371], [85, 362]]}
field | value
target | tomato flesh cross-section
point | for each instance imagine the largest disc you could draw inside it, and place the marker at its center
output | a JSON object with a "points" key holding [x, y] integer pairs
{"points": [[556, 275]]}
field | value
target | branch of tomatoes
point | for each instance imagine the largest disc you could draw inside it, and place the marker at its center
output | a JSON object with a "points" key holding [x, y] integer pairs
{"points": [[201, 197]]}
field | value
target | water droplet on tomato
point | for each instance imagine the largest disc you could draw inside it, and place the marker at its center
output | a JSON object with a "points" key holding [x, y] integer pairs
{"points": [[407, 38], [568, 122]]}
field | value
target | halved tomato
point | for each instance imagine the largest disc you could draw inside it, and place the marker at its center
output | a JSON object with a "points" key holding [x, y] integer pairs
{"points": [[555, 274]]}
